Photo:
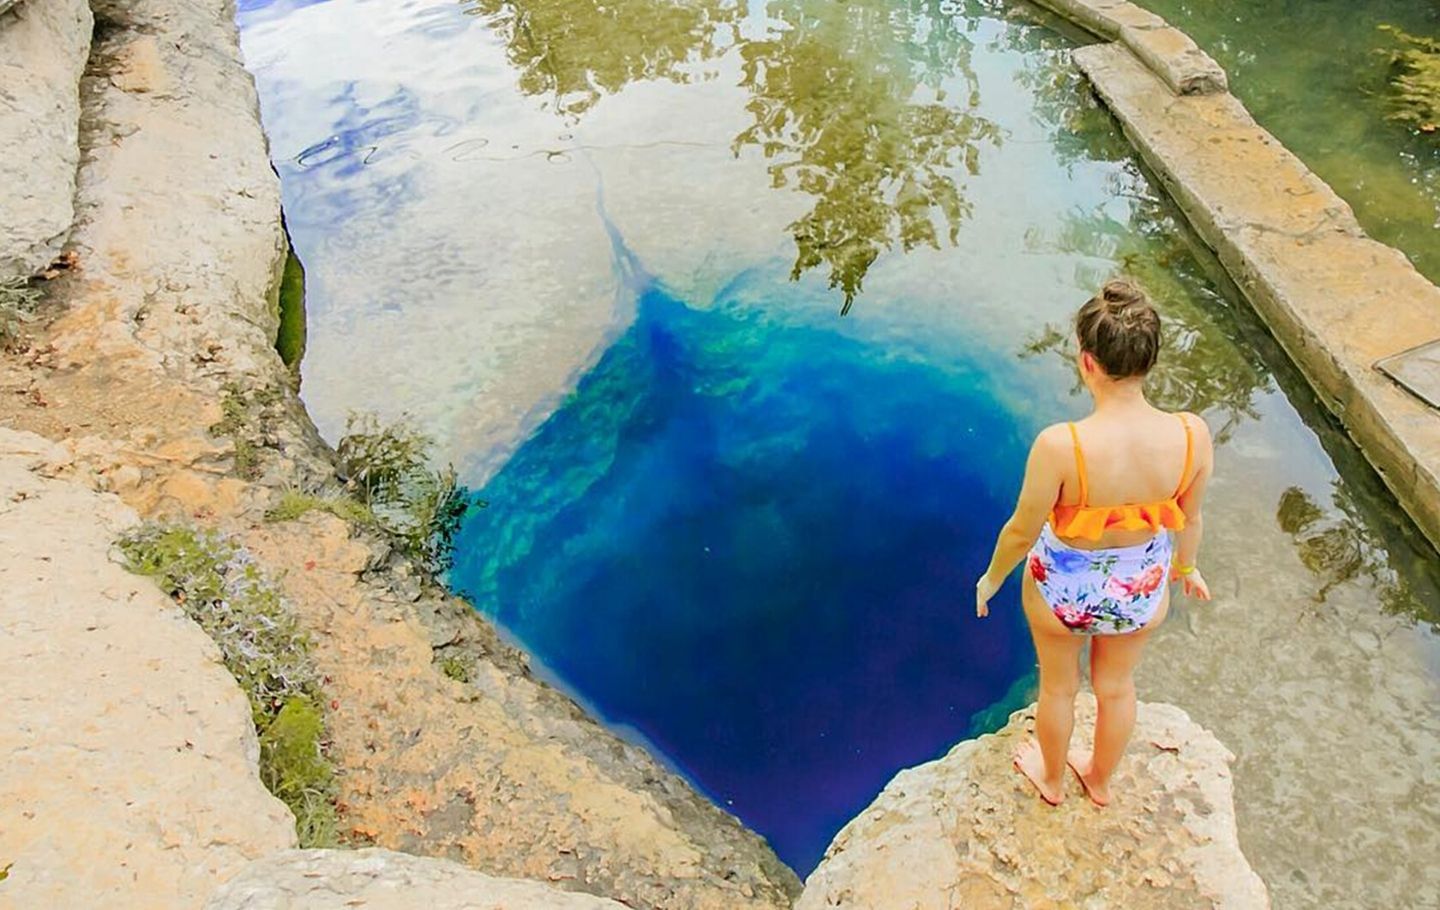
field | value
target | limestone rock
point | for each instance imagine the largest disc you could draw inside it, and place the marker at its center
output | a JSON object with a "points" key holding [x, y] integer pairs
{"points": [[43, 50], [1169, 52], [385, 880], [969, 831], [129, 758]]}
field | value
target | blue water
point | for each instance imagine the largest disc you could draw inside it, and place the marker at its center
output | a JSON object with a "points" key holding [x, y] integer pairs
{"points": [[754, 542]]}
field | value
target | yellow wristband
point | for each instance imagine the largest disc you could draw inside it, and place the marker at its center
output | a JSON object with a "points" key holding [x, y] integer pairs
{"points": [[1184, 570]]}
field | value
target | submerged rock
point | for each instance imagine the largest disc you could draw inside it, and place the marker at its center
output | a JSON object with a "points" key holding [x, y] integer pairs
{"points": [[969, 831], [385, 880], [43, 49]]}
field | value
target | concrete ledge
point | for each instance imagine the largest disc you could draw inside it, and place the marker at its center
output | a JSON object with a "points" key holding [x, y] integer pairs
{"points": [[1336, 300], [1169, 52]]}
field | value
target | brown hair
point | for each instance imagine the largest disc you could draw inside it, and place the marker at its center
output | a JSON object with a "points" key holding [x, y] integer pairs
{"points": [[1120, 329]]}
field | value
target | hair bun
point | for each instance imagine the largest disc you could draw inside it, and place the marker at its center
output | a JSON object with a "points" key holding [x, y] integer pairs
{"points": [[1122, 291]]}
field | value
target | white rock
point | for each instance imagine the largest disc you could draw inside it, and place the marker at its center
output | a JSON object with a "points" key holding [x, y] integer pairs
{"points": [[969, 831], [385, 880], [127, 756], [44, 45]]}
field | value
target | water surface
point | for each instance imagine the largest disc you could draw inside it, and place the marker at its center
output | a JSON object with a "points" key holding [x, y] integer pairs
{"points": [[1315, 73], [600, 251]]}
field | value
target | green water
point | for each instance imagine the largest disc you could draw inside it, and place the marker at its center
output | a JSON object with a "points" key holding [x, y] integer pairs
{"points": [[1315, 73]]}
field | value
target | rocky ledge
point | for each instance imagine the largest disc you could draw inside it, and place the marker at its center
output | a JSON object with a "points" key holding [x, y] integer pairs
{"points": [[968, 831], [384, 880]]}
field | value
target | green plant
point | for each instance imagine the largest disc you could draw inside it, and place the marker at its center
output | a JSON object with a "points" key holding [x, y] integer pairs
{"points": [[294, 503], [244, 415], [455, 668], [18, 300], [294, 768], [1415, 80], [386, 468], [221, 588], [290, 336]]}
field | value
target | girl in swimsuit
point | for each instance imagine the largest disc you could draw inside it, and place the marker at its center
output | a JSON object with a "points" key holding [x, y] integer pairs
{"points": [[1099, 572]]}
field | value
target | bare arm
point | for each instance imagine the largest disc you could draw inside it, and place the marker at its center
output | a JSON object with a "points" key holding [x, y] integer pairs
{"points": [[1038, 495], [1192, 502]]}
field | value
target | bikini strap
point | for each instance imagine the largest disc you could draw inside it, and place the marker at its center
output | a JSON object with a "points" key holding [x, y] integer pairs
{"points": [[1080, 466], [1189, 455]]}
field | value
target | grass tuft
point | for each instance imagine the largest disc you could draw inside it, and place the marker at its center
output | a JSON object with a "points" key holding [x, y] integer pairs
{"points": [[294, 504], [221, 588]]}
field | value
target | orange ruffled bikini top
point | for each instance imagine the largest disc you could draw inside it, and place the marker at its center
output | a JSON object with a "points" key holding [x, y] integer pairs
{"points": [[1086, 522]]}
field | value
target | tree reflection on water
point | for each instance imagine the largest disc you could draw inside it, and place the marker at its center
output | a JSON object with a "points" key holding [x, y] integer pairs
{"points": [[868, 107], [1204, 366], [1339, 545], [577, 50]]}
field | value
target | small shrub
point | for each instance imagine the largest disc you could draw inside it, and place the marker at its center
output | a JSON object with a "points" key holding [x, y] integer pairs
{"points": [[386, 468], [18, 300], [221, 588], [294, 768], [455, 668]]}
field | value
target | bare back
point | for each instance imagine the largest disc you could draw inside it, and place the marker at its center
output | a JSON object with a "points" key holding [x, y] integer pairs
{"points": [[1129, 458]]}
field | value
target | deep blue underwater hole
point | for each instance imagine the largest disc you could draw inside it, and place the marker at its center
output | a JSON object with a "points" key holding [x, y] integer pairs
{"points": [[754, 543]]}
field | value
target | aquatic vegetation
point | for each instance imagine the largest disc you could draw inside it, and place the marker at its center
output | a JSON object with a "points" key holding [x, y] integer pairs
{"points": [[386, 470], [221, 588], [1415, 80], [290, 336], [850, 106], [18, 300], [576, 50]]}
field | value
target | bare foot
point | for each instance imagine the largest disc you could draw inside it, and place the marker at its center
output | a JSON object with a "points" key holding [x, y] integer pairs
{"points": [[1029, 762], [1079, 761]]}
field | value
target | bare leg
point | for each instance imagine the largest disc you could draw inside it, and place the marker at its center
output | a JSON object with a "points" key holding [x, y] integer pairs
{"points": [[1058, 652], [1113, 659]]}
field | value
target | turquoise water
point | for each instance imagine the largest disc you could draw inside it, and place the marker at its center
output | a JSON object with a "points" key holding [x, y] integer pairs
{"points": [[600, 251]]}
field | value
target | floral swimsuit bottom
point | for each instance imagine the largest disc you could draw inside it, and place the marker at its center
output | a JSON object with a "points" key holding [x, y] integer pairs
{"points": [[1107, 591]]}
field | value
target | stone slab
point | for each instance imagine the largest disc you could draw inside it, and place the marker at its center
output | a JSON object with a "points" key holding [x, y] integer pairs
{"points": [[1336, 300], [385, 880], [1169, 52], [968, 831], [1418, 370], [127, 757], [43, 50]]}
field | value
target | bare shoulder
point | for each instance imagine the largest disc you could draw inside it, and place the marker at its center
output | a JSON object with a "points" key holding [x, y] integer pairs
{"points": [[1199, 429], [1052, 441]]}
